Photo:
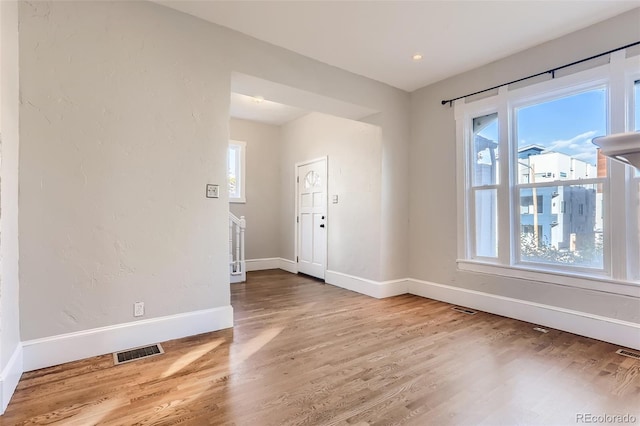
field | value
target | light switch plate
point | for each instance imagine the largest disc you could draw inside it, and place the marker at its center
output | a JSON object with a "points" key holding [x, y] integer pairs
{"points": [[335, 199], [213, 191]]}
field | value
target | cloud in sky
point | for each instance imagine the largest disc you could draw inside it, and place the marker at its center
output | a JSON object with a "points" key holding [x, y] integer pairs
{"points": [[579, 147]]}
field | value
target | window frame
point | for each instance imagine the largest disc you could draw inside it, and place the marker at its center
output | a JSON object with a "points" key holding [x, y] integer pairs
{"points": [[632, 75], [571, 85], [240, 147], [618, 78]]}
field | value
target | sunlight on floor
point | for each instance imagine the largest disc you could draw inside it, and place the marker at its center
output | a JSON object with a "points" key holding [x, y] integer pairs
{"points": [[190, 357], [96, 412], [240, 355]]}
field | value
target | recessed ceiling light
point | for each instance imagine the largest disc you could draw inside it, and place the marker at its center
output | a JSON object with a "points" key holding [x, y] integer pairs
{"points": [[258, 99], [417, 57]]}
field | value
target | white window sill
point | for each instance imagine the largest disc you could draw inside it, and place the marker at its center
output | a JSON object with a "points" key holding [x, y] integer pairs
{"points": [[237, 200], [601, 284]]}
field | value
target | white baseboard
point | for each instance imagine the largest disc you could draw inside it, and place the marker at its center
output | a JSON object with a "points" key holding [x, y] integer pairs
{"points": [[10, 377], [262, 264], [54, 350], [376, 289], [288, 265], [272, 263], [611, 330], [240, 278]]}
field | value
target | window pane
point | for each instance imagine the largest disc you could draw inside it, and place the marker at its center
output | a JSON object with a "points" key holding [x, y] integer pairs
{"points": [[486, 222], [485, 156], [554, 138], [233, 171], [564, 226]]}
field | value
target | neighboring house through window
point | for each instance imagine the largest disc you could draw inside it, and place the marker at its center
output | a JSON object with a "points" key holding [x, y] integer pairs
{"points": [[536, 196]]}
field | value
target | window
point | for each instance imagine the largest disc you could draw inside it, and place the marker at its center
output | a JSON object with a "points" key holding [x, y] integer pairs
{"points": [[236, 171], [535, 193], [556, 134], [530, 205], [484, 165]]}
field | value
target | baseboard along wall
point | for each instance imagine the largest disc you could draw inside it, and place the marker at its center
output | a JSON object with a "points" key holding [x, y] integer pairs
{"points": [[610, 330], [54, 350], [10, 376]]}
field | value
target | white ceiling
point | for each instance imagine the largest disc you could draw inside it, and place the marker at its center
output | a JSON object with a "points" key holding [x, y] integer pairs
{"points": [[256, 99], [377, 39], [262, 110]]}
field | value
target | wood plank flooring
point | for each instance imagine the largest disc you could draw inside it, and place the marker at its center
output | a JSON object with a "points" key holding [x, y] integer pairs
{"points": [[306, 353]]}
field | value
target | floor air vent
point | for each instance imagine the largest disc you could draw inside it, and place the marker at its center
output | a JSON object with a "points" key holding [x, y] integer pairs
{"points": [[464, 310], [628, 353], [136, 353]]}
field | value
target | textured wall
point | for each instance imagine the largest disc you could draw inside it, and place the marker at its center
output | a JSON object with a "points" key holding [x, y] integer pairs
{"points": [[9, 315], [262, 209], [124, 119], [119, 141], [433, 171]]}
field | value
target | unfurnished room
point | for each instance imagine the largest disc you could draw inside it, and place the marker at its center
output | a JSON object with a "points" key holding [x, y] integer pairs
{"points": [[319, 212]]}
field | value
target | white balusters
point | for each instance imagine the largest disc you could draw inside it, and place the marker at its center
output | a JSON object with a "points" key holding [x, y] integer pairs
{"points": [[236, 248]]}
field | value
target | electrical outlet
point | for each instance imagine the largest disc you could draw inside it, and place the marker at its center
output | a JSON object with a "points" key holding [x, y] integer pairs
{"points": [[138, 309]]}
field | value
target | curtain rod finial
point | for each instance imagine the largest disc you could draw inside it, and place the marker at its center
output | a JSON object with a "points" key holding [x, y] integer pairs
{"points": [[444, 102]]}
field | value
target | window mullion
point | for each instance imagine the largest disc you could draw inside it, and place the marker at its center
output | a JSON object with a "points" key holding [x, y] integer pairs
{"points": [[617, 220], [504, 209]]}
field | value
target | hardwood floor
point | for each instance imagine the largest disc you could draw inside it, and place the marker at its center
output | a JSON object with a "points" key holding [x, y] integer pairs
{"points": [[306, 353]]}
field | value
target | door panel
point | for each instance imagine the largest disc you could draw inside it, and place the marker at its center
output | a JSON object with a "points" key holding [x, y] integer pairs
{"points": [[311, 198], [306, 228]]}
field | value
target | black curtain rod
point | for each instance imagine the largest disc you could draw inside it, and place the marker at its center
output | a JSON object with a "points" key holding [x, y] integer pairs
{"points": [[551, 71]]}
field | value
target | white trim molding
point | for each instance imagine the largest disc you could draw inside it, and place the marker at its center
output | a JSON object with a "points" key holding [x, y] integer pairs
{"points": [[588, 282], [377, 289], [54, 350], [288, 265], [607, 329], [272, 263], [10, 377], [618, 273], [262, 264], [597, 327]]}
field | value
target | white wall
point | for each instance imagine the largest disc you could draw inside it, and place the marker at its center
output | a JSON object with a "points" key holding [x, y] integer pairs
{"points": [[279, 66], [10, 364], [394, 196], [262, 180], [433, 172], [122, 123], [354, 225], [124, 120]]}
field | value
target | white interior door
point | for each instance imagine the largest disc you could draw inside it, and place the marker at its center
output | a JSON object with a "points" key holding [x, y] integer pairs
{"points": [[311, 201]]}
